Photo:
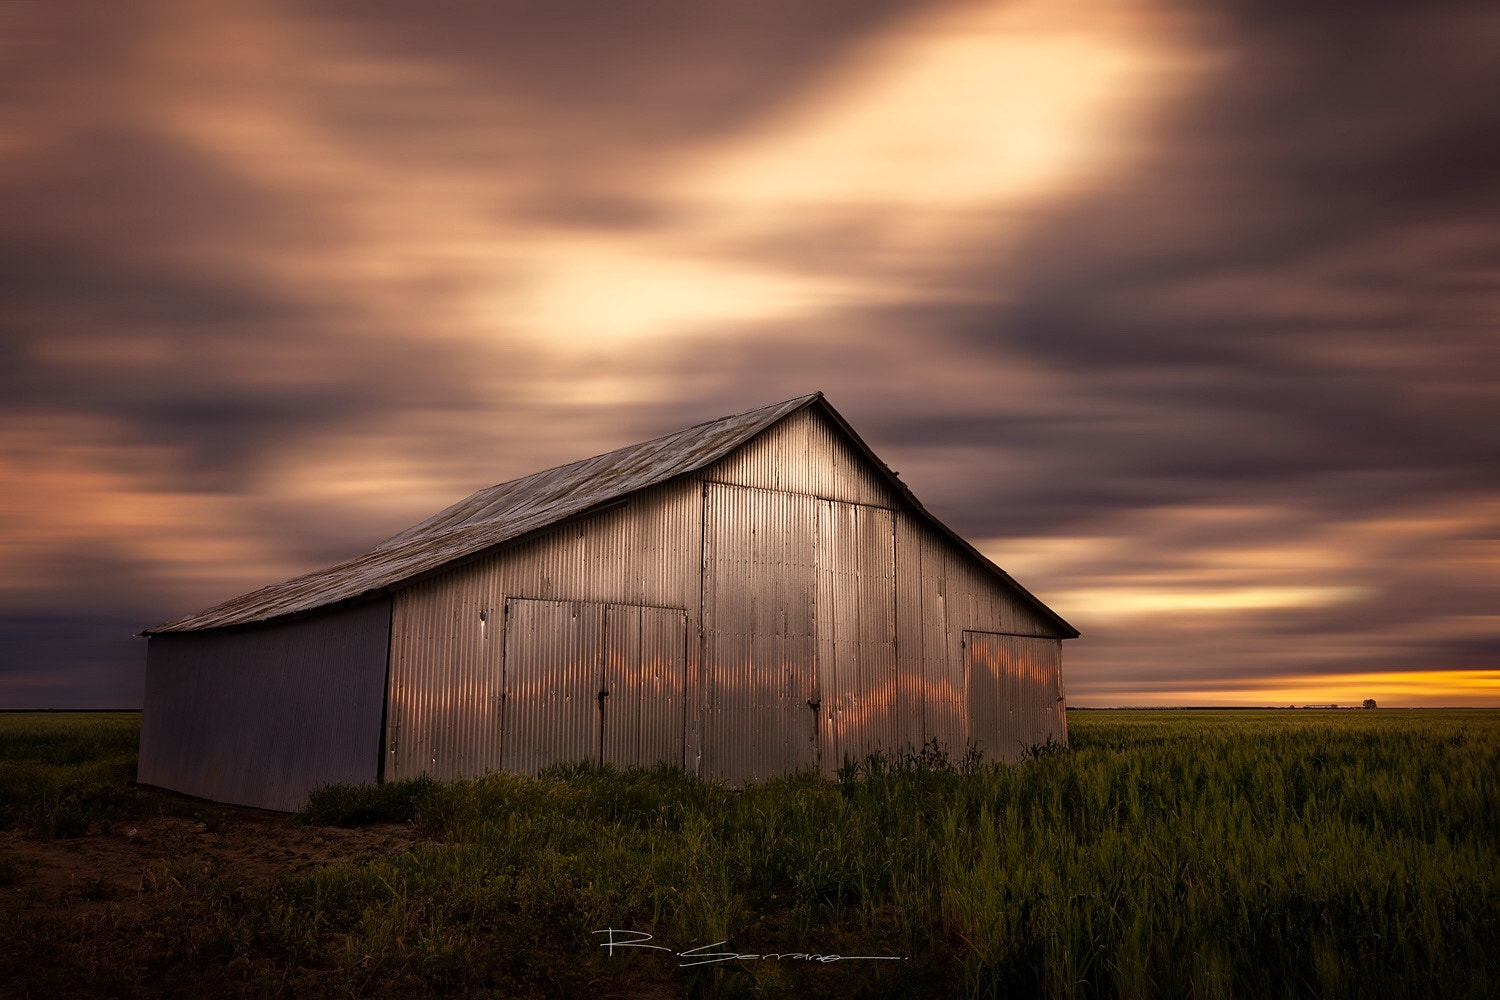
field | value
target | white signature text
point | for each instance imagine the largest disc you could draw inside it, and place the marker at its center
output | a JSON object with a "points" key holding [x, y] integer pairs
{"points": [[616, 937]]}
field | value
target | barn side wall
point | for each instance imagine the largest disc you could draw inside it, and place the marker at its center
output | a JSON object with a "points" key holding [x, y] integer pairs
{"points": [[261, 716], [891, 601], [447, 694], [821, 620], [942, 593]]}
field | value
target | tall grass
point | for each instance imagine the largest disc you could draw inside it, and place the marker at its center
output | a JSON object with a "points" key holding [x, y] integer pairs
{"points": [[60, 772], [1166, 854]]}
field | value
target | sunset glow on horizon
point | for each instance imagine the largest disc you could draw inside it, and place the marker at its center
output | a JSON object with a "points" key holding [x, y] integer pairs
{"points": [[1185, 317]]}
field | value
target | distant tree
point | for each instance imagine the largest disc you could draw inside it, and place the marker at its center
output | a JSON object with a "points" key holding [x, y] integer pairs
{"points": [[1369, 703]]}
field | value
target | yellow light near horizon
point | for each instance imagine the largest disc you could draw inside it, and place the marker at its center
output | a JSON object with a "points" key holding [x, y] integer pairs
{"points": [[1478, 688]]}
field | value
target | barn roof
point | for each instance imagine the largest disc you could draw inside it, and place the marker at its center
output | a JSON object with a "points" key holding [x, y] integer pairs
{"points": [[514, 509]]}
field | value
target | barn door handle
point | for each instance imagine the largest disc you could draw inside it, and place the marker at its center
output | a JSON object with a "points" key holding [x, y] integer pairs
{"points": [[602, 696], [814, 703]]}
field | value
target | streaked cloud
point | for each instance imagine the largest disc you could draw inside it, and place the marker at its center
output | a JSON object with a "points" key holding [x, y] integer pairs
{"points": [[1186, 314]]}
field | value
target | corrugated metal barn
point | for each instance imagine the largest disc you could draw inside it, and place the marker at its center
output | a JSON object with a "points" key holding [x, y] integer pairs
{"points": [[742, 598]]}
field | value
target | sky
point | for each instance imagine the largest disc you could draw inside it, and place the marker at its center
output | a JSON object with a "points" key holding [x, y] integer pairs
{"points": [[1183, 313]]}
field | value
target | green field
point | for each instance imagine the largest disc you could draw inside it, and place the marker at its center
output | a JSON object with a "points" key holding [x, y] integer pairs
{"points": [[1166, 854]]}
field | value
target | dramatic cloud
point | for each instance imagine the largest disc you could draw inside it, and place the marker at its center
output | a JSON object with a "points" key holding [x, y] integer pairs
{"points": [[1186, 315]]}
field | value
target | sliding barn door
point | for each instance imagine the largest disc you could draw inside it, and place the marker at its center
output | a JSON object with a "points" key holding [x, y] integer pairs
{"points": [[593, 682]]}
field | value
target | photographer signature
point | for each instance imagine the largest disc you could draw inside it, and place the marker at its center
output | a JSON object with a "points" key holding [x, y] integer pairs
{"points": [[701, 955]]}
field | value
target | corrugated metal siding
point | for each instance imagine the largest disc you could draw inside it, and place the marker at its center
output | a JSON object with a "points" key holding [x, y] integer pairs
{"points": [[852, 607], [553, 661], [759, 643], [261, 717], [1014, 686], [443, 717], [856, 631], [838, 633], [982, 603], [805, 454], [644, 553], [944, 705], [919, 615], [620, 687], [586, 681], [643, 715], [943, 591], [876, 570]]}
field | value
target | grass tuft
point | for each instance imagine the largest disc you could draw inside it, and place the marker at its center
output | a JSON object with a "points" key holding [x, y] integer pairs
{"points": [[351, 805]]}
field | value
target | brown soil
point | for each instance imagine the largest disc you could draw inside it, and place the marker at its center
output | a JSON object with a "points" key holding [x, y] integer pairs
{"points": [[122, 863]]}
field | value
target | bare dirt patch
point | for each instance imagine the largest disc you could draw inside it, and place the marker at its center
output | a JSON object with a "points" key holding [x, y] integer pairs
{"points": [[122, 863]]}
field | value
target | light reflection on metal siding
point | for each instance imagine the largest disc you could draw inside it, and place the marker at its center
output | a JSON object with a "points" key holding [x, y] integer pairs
{"points": [[857, 632], [838, 633], [446, 712], [1015, 693], [952, 594], [945, 709], [657, 690], [877, 628], [553, 655], [443, 716], [586, 681], [759, 639], [620, 687], [909, 714], [907, 593], [804, 601], [263, 716]]}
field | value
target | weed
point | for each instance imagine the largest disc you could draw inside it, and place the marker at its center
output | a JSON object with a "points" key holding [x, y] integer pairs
{"points": [[1162, 854], [350, 805]]}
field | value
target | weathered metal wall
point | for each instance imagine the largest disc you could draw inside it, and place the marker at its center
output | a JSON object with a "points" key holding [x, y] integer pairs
{"points": [[262, 716], [644, 714], [823, 619], [1014, 687], [932, 704], [586, 681], [447, 694], [805, 454], [552, 676], [799, 632], [856, 623], [942, 592], [760, 578], [443, 716]]}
